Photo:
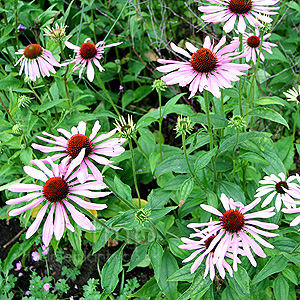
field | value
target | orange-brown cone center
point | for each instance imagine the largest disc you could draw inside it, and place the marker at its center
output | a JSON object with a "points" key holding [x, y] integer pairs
{"points": [[55, 189], [204, 60], [253, 41], [88, 50], [240, 6], [233, 220], [33, 51], [78, 142]]}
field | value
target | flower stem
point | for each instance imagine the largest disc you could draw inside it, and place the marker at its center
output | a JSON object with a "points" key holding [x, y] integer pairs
{"points": [[65, 77], [35, 93], [141, 149], [134, 173], [107, 94], [50, 96], [160, 122], [205, 94], [234, 147], [222, 112], [295, 123], [253, 80], [240, 82]]}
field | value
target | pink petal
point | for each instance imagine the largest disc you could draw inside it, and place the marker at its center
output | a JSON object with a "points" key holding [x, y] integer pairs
{"points": [[24, 187], [48, 227], [86, 204]]}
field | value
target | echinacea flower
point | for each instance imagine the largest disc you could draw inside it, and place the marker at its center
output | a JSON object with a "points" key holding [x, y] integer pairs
{"points": [[235, 229], [251, 44], [293, 94], [86, 54], [36, 61], [256, 12], [208, 68], [280, 187], [126, 130], [202, 243], [85, 149], [59, 186]]}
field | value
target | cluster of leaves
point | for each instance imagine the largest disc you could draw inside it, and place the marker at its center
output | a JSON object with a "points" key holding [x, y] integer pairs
{"points": [[266, 148]]}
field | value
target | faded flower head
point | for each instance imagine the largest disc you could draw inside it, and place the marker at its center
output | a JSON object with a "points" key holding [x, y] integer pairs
{"points": [[142, 215], [159, 85], [183, 125], [17, 128], [24, 101], [237, 122], [58, 33], [293, 94], [126, 130]]}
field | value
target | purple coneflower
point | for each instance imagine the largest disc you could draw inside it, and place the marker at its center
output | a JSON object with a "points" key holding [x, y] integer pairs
{"points": [[59, 186], [251, 44], [236, 228], [87, 53], [36, 61], [202, 243], [254, 11], [281, 187], [208, 68], [84, 149]]}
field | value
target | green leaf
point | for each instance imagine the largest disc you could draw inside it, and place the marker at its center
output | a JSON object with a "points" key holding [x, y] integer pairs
{"points": [[232, 190], [186, 188], [290, 275], [149, 289], [138, 255], [171, 103], [16, 251], [155, 253], [198, 287], [275, 265], [269, 114], [240, 282], [111, 270], [43, 107], [231, 141], [6, 186], [75, 240], [26, 156], [230, 293], [270, 100], [255, 158], [204, 158], [158, 213], [294, 258], [168, 267], [280, 288], [175, 163], [105, 234], [183, 274], [181, 253], [123, 189], [217, 121]]}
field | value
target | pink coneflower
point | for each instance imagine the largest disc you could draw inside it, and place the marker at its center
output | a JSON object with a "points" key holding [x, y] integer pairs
{"points": [[254, 11], [208, 68], [84, 148], [58, 188], [236, 229], [281, 187], [251, 44], [36, 61], [87, 53], [202, 243]]}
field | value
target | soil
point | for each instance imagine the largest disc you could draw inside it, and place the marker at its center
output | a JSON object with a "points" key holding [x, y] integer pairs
{"points": [[8, 230]]}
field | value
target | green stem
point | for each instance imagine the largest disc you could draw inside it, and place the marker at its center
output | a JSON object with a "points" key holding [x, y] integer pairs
{"points": [[50, 96], [35, 93], [44, 121], [278, 16], [234, 148], [125, 201], [295, 123], [240, 81], [134, 173], [117, 19], [294, 250], [141, 149], [205, 94], [65, 77], [107, 94], [160, 122], [222, 112], [253, 80]]}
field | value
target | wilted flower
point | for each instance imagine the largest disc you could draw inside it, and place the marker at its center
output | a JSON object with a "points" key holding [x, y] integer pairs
{"points": [[78, 146], [183, 125], [58, 33], [251, 44], [17, 128], [87, 53], [280, 187], [159, 85], [234, 230], [59, 187], [36, 61], [208, 68], [126, 130], [293, 94], [228, 11]]}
